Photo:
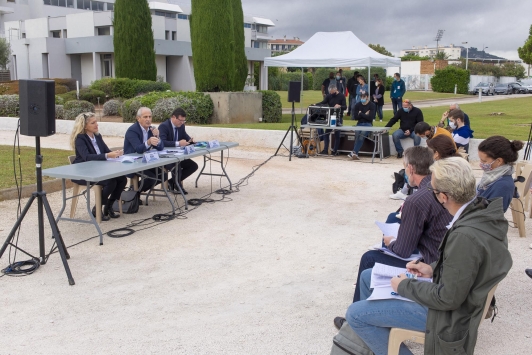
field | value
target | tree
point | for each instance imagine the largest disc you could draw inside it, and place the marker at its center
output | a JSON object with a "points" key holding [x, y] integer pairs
{"points": [[380, 49], [441, 56], [241, 62], [513, 69], [5, 52], [133, 40], [525, 52], [213, 44], [413, 57], [445, 79]]}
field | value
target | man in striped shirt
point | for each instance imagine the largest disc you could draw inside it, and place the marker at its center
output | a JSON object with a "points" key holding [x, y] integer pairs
{"points": [[423, 219]]}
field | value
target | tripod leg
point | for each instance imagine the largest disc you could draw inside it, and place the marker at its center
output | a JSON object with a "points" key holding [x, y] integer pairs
{"points": [[280, 145], [17, 224], [58, 239]]}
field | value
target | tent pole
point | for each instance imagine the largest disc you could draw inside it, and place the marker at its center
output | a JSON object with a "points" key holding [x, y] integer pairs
{"points": [[301, 101], [369, 80]]}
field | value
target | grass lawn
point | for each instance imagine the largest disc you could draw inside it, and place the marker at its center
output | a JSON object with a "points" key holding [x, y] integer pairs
{"points": [[51, 158], [312, 96], [514, 124]]}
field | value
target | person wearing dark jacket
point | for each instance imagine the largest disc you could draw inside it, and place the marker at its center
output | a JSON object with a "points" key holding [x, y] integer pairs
{"points": [[497, 156], [364, 113], [173, 134], [89, 145], [352, 85], [378, 97], [473, 258], [141, 137], [409, 117], [334, 100], [397, 92]]}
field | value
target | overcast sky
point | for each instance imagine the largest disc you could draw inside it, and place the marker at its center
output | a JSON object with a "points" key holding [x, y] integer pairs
{"points": [[502, 26]]}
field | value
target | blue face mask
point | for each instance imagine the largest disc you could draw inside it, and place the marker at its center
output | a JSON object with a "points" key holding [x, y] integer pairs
{"points": [[406, 109], [363, 101]]}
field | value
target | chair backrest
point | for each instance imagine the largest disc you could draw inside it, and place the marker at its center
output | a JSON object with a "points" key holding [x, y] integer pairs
{"points": [[488, 301], [71, 159], [524, 170]]}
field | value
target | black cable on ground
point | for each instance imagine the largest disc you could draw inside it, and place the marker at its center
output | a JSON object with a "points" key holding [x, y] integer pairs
{"points": [[22, 268]]}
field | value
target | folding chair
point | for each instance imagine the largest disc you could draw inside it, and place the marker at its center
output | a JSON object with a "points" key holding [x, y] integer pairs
{"points": [[520, 205], [75, 194]]}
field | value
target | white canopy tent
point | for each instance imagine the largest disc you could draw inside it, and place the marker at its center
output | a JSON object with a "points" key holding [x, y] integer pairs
{"points": [[332, 49]]}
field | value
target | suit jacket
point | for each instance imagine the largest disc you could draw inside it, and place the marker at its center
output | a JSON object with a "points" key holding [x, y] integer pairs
{"points": [[85, 150], [134, 143], [166, 133]]}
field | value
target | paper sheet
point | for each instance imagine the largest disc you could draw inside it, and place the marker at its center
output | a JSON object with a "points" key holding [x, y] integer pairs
{"points": [[124, 159], [388, 229]]}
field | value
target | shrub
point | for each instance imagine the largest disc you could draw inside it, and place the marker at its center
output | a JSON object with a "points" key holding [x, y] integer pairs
{"points": [[272, 109], [91, 95], [198, 106], [59, 100], [74, 107], [105, 85], [68, 96], [9, 106], [127, 88], [129, 109], [61, 89], [111, 107], [59, 112], [69, 83], [445, 79], [151, 98], [164, 108], [144, 86]]}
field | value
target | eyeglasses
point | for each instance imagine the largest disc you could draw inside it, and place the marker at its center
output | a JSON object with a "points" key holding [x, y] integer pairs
{"points": [[436, 192], [182, 119]]}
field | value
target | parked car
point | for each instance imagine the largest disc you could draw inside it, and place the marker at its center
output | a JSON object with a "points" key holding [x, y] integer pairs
{"points": [[527, 83], [503, 89], [518, 88], [487, 89]]}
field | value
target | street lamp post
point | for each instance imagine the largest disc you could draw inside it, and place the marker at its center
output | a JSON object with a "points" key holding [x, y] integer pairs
{"points": [[483, 53], [467, 55]]}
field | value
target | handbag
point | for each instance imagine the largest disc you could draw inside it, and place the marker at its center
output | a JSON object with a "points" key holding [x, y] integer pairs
{"points": [[129, 200]]}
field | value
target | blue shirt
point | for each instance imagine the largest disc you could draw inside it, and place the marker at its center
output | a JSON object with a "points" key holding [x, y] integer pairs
{"points": [[504, 187]]}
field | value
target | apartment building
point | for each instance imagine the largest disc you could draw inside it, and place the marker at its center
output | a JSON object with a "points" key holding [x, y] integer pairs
{"points": [[284, 45], [74, 39], [452, 51]]}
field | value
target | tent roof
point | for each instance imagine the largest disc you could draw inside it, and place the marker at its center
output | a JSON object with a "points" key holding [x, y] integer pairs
{"points": [[332, 49]]}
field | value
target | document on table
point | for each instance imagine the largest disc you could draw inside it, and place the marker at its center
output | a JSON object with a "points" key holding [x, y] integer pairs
{"points": [[124, 159], [380, 282]]}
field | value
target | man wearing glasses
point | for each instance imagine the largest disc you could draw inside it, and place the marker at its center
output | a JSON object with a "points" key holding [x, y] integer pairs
{"points": [[173, 134], [409, 117]]}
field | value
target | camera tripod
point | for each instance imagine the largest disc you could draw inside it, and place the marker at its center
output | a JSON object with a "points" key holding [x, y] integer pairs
{"points": [[42, 201]]}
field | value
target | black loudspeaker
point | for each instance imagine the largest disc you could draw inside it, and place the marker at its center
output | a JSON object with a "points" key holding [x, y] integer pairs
{"points": [[37, 107], [294, 91]]}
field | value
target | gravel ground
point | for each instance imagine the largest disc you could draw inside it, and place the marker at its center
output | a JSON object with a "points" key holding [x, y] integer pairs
{"points": [[264, 272]]}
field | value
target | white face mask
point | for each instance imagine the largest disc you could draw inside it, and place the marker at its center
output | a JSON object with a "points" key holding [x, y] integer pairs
{"points": [[452, 125], [424, 139]]}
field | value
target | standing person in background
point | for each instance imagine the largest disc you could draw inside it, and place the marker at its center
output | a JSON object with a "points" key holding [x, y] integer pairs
{"points": [[378, 97], [344, 80], [397, 92], [373, 84], [352, 85], [340, 83], [326, 84], [497, 157], [362, 87]]}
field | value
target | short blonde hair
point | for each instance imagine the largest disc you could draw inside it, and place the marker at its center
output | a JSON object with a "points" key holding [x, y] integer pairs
{"points": [[79, 127], [455, 178]]}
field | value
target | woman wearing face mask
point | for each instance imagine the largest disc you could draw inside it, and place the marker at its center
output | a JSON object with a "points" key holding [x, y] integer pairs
{"points": [[378, 97], [461, 132], [362, 87], [497, 157]]}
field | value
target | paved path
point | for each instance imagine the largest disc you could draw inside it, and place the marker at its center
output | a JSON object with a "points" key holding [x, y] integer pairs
{"points": [[441, 102]]}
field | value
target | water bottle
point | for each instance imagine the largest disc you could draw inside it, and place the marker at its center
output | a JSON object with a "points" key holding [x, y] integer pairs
{"points": [[333, 121]]}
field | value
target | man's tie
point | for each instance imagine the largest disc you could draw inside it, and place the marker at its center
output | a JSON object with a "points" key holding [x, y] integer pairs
{"points": [[175, 134]]}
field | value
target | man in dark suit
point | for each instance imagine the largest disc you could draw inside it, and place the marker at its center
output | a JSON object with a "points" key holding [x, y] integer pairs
{"points": [[141, 137], [173, 134]]}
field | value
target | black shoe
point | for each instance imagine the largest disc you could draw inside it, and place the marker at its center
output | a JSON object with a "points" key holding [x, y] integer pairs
{"points": [[399, 155], [184, 191], [335, 152], [338, 322], [324, 152], [104, 216], [529, 272], [108, 210]]}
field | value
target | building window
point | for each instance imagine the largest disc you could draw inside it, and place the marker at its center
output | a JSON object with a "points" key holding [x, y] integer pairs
{"points": [[55, 34], [97, 6], [247, 25], [84, 4], [104, 31], [256, 44], [110, 7], [182, 16], [253, 26], [167, 35], [107, 65], [23, 35], [174, 35]]}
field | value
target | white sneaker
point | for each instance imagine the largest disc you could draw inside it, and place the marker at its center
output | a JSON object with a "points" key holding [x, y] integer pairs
{"points": [[398, 196], [353, 156]]}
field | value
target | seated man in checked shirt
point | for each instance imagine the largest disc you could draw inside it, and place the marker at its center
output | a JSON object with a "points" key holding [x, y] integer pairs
{"points": [[423, 219]]}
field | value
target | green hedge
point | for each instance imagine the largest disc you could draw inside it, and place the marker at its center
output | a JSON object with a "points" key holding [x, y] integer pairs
{"points": [[127, 88], [74, 107], [445, 79], [9, 106], [85, 95], [272, 109], [281, 81], [59, 112]]}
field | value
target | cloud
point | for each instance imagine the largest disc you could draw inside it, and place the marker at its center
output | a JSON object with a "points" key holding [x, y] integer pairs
{"points": [[399, 25]]}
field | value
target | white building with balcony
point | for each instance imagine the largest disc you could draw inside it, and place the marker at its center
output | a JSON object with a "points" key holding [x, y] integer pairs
{"points": [[452, 51], [74, 39]]}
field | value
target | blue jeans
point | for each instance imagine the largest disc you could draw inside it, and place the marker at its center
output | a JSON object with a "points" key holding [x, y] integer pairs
{"points": [[372, 320], [379, 111], [399, 134], [397, 103], [360, 136]]}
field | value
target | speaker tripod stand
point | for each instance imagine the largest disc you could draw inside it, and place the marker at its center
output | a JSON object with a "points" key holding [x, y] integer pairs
{"points": [[42, 202], [292, 129]]}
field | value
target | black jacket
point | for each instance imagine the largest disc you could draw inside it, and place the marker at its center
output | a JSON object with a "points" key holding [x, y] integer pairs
{"points": [[352, 84], [359, 112], [85, 150], [166, 133], [332, 100], [380, 101], [134, 140], [408, 119]]}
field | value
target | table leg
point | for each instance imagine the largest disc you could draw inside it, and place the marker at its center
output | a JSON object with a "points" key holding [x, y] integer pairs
{"points": [[64, 201], [223, 169], [375, 144], [164, 188], [201, 172], [90, 212]]}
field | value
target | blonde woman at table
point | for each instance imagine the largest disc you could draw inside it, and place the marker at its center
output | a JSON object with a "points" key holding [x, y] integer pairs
{"points": [[89, 145]]}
